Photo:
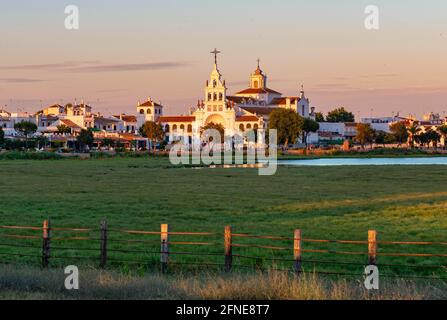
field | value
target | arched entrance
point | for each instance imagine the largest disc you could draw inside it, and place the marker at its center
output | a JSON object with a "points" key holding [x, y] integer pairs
{"points": [[215, 118]]}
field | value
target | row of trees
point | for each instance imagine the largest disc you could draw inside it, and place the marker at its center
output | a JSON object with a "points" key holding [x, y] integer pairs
{"points": [[151, 130], [27, 129], [400, 134]]}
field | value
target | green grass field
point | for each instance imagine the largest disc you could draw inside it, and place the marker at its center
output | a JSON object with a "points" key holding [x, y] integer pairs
{"points": [[401, 203]]}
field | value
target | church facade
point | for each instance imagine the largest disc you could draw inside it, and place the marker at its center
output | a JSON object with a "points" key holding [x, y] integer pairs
{"points": [[243, 111]]}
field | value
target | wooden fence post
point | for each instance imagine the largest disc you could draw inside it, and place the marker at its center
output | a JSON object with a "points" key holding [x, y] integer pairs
{"points": [[297, 251], [46, 236], [228, 249], [103, 248], [164, 253], [372, 247]]}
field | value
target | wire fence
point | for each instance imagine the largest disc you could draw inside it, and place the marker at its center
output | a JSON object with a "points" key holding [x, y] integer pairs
{"points": [[109, 247]]}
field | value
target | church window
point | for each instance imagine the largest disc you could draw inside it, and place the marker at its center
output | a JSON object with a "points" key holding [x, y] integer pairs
{"points": [[215, 97], [209, 96], [182, 127], [189, 128], [255, 84], [248, 126], [241, 127], [220, 108], [209, 108], [220, 96], [149, 111], [303, 110], [255, 127], [214, 83], [167, 128], [174, 127], [141, 111], [214, 108]]}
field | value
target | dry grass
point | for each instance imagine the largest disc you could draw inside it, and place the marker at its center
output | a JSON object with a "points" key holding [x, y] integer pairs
{"points": [[31, 283]]}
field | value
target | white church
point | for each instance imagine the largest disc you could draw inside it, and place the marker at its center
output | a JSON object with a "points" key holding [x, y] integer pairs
{"points": [[243, 111]]}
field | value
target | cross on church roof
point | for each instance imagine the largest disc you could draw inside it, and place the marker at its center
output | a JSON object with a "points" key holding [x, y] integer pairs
{"points": [[259, 60], [215, 52]]}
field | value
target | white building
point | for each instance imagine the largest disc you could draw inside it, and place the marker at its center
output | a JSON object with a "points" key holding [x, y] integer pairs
{"points": [[9, 119], [246, 110], [337, 131], [381, 123]]}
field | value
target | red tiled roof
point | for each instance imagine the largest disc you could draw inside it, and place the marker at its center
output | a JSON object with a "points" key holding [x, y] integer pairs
{"points": [[150, 104], [177, 119], [70, 124], [247, 118], [257, 91], [272, 91], [259, 110], [105, 120], [127, 118], [258, 71], [240, 99], [283, 100]]}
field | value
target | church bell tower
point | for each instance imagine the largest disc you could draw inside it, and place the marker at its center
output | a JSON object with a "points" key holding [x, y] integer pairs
{"points": [[215, 89]]}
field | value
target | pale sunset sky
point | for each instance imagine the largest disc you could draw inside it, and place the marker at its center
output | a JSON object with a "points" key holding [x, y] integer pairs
{"points": [[126, 51]]}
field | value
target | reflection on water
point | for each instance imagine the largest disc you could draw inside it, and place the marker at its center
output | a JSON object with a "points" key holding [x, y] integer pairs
{"points": [[366, 161]]}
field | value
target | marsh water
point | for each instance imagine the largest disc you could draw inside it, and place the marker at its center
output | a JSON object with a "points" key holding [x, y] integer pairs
{"points": [[366, 161]]}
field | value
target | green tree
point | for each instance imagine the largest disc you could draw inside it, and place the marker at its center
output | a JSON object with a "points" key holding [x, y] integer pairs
{"points": [[421, 138], [443, 132], [41, 141], [153, 131], [26, 129], [433, 137], [309, 126], [85, 139], [2, 137], [365, 134], [108, 142], [413, 131], [340, 115], [319, 117], [215, 126], [384, 138], [399, 130], [63, 129], [288, 124]]}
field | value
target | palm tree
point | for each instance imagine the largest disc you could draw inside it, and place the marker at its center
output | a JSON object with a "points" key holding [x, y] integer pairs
{"points": [[413, 131]]}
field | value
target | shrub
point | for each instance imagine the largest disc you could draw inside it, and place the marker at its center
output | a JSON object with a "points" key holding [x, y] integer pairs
{"points": [[21, 155]]}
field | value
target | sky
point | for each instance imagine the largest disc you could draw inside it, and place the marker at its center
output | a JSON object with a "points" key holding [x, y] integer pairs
{"points": [[127, 51]]}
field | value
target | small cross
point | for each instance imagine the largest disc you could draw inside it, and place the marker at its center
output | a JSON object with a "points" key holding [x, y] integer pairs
{"points": [[215, 52], [259, 60]]}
